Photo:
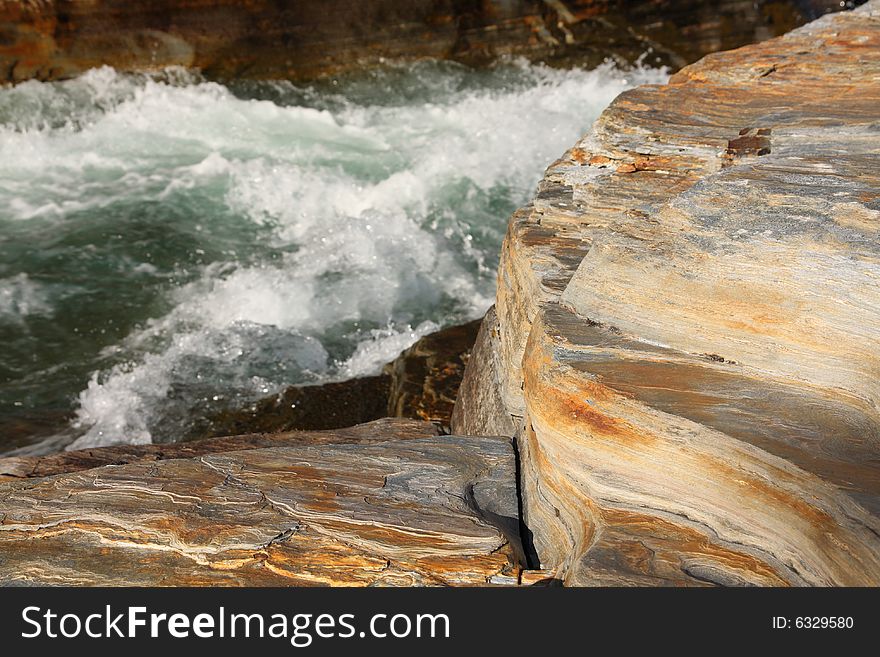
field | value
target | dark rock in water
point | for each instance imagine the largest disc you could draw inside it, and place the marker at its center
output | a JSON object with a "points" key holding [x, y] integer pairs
{"points": [[30, 467], [425, 511], [327, 406], [425, 378], [24, 428], [421, 384], [52, 39]]}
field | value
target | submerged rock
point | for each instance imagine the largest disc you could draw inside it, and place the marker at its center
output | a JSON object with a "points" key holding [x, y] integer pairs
{"points": [[304, 39], [421, 384], [687, 326], [420, 511], [426, 377]]}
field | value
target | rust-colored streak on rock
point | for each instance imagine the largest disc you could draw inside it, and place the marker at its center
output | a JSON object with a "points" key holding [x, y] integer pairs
{"points": [[643, 550], [696, 394], [423, 511]]}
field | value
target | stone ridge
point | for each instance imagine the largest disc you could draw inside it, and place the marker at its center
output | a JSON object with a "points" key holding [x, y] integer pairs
{"points": [[687, 322]]}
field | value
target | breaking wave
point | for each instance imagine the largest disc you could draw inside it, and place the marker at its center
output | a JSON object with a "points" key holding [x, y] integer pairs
{"points": [[170, 247]]}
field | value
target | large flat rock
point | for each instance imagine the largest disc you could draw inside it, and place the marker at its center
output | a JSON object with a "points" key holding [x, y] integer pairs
{"points": [[423, 511], [689, 325]]}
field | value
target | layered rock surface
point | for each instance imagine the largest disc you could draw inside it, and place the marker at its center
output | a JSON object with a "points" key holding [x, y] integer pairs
{"points": [[52, 39], [687, 341], [392, 506], [684, 346], [31, 467]]}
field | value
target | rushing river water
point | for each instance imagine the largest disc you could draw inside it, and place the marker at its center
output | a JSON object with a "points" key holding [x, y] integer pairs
{"points": [[171, 247]]}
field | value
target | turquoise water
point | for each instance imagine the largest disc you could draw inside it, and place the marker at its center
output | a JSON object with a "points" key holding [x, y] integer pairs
{"points": [[170, 247]]}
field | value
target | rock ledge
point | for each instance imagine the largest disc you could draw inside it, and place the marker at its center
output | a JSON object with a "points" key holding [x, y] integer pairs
{"points": [[687, 342]]}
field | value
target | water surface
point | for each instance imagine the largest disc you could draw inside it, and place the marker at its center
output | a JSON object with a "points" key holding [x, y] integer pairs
{"points": [[171, 247]]}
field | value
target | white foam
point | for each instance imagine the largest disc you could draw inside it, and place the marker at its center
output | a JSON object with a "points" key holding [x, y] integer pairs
{"points": [[21, 297], [374, 215], [383, 346]]}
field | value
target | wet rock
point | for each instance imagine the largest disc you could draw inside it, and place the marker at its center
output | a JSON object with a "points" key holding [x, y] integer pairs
{"points": [[326, 406], [421, 384], [30, 467], [51, 39], [421, 511], [426, 377], [687, 320]]}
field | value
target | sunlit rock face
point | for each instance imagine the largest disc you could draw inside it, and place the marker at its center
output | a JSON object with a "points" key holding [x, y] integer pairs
{"points": [[687, 322], [385, 504], [47, 39]]}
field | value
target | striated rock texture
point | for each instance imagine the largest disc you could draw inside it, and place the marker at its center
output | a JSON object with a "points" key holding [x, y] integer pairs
{"points": [[29, 467], [688, 326], [420, 511], [51, 39], [479, 405]]}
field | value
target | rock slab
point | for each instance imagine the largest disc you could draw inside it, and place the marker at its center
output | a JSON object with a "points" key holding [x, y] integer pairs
{"points": [[34, 467], [688, 326], [425, 511]]}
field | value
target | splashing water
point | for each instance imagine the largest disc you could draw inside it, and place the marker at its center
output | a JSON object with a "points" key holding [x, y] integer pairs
{"points": [[171, 247]]}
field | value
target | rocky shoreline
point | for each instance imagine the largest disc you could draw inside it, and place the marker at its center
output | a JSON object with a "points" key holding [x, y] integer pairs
{"points": [[676, 386], [421, 384], [50, 40]]}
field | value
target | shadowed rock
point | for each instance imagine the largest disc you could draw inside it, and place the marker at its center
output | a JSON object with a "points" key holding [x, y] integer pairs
{"points": [[314, 407], [425, 378], [51, 39], [421, 384]]}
